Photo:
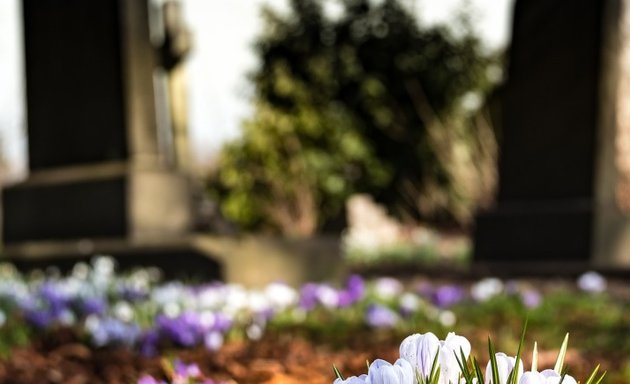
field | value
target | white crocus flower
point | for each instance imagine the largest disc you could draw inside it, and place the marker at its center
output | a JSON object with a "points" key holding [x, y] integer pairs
{"points": [[486, 289], [207, 319], [123, 311], [81, 271], [172, 309], [447, 318], [257, 301], [554, 378], [352, 380], [532, 378], [67, 318], [387, 288], [171, 292], [420, 351], [103, 265], [236, 299], [548, 376], [281, 295], [210, 298], [382, 372], [409, 302], [450, 352], [505, 365], [328, 296], [592, 282]]}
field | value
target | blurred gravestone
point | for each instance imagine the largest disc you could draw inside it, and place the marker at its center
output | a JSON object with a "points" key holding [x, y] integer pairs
{"points": [[612, 220], [564, 189], [101, 175], [544, 210]]}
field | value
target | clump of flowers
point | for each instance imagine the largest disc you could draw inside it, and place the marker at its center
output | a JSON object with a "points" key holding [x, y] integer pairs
{"points": [[141, 311], [179, 373], [424, 359]]}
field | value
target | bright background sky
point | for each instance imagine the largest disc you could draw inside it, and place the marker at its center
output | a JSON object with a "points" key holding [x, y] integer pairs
{"points": [[223, 34]]}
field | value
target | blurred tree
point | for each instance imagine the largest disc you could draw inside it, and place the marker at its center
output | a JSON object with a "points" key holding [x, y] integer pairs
{"points": [[364, 101]]}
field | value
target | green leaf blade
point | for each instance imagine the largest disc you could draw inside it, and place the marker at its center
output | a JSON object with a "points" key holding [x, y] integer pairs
{"points": [[561, 355], [493, 362]]}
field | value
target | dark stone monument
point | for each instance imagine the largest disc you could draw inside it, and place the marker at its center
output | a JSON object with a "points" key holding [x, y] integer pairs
{"points": [[611, 244], [100, 179], [546, 201]]}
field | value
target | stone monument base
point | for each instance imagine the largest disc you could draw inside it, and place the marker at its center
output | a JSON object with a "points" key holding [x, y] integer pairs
{"points": [[62, 215], [558, 231], [103, 201], [177, 259]]}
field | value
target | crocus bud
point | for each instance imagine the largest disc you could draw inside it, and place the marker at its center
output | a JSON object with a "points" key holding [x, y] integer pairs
{"points": [[505, 365], [451, 350]]}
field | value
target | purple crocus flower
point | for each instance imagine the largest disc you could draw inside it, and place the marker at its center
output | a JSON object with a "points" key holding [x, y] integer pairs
{"points": [[188, 330], [186, 371], [185, 329], [353, 292], [355, 286], [531, 298], [308, 296], [344, 299], [380, 316], [53, 296], [222, 323], [39, 318], [111, 331], [149, 343], [93, 306], [133, 294], [447, 295], [182, 373], [26, 303], [146, 379]]}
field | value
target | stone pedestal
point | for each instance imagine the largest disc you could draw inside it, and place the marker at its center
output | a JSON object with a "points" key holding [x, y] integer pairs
{"points": [[98, 167], [548, 138]]}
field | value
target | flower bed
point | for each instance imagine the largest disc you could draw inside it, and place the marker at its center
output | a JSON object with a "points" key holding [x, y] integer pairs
{"points": [[105, 315]]}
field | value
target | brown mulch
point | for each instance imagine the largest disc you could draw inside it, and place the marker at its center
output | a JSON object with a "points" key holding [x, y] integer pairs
{"points": [[279, 359]]}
